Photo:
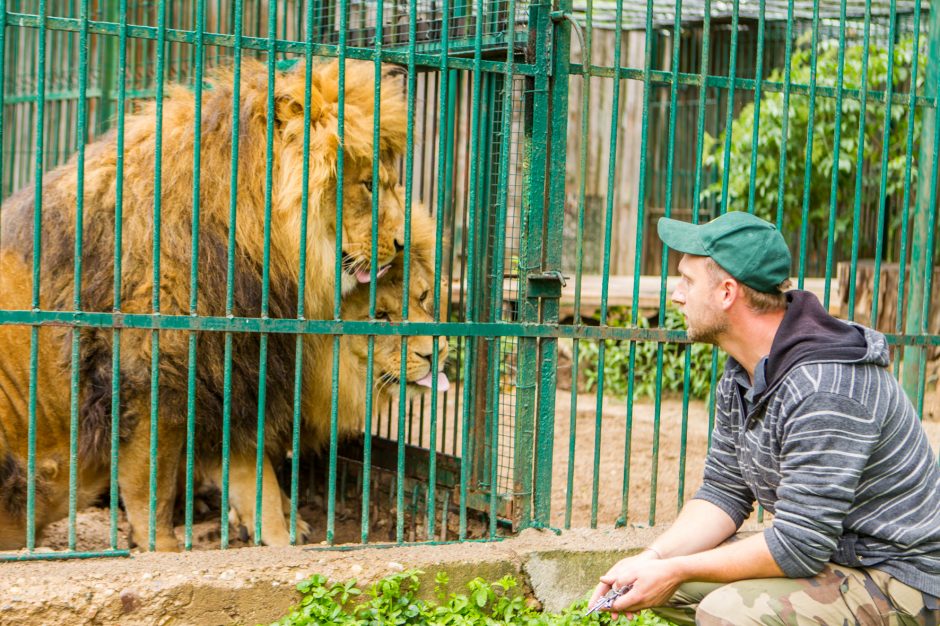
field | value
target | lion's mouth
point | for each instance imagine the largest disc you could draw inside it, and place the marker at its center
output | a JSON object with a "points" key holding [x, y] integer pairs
{"points": [[360, 270], [426, 381]]}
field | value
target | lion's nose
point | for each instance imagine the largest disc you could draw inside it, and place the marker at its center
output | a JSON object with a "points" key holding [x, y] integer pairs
{"points": [[399, 246]]}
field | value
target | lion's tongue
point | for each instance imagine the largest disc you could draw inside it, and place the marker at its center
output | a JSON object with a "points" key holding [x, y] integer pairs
{"points": [[443, 384], [364, 276]]}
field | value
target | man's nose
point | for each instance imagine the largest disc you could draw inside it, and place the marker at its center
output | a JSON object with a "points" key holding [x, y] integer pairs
{"points": [[678, 297]]}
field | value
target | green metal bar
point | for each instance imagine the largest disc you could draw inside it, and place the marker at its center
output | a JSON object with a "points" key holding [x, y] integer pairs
{"points": [[230, 270], [37, 263], [532, 258], [696, 202], [729, 120], [586, 55], [859, 160], [758, 83], [554, 230], [77, 269], [301, 290], [664, 262], [50, 556], [684, 432], [637, 266], [259, 44], [118, 245], [194, 277], [155, 336], [928, 269], [608, 220], [923, 226], [266, 267], [446, 126], [663, 78], [350, 327], [470, 264], [906, 202], [808, 169], [784, 130], [836, 149], [886, 142], [337, 275], [3, 81]]}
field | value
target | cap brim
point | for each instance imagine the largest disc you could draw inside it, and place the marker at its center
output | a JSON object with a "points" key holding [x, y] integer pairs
{"points": [[681, 236]]}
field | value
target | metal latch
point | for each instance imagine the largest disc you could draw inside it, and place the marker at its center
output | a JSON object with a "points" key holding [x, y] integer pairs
{"points": [[545, 284]]}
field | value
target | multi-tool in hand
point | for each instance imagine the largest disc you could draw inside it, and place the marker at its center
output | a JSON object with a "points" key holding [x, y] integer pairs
{"points": [[607, 600]]}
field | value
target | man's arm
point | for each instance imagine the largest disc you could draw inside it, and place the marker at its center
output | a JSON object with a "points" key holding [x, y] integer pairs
{"points": [[700, 526], [688, 550]]}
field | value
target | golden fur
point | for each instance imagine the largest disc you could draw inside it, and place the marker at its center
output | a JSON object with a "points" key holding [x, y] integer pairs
{"points": [[59, 192], [352, 379]]}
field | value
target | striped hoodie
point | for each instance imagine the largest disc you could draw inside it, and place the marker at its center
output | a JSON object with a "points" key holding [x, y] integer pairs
{"points": [[833, 448]]}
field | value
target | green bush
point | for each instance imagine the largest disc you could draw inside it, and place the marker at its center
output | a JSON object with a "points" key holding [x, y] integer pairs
{"points": [[617, 361], [394, 600], [823, 161]]}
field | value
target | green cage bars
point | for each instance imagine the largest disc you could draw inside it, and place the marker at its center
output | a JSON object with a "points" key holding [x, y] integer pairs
{"points": [[545, 139]]}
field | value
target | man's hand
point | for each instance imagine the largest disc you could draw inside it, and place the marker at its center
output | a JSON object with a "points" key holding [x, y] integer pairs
{"points": [[650, 577], [654, 582]]}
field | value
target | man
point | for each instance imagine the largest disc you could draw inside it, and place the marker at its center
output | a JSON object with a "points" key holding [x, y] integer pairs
{"points": [[811, 424]]}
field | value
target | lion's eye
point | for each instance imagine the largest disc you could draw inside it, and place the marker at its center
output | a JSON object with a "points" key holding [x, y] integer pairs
{"points": [[424, 296], [368, 185], [382, 315]]}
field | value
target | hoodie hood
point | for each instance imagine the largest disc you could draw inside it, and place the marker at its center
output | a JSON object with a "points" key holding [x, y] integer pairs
{"points": [[809, 334]]}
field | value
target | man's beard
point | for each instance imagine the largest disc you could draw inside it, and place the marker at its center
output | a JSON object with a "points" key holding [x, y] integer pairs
{"points": [[707, 330]]}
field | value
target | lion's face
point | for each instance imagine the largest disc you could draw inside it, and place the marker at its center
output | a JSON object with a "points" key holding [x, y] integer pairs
{"points": [[359, 189], [387, 359]]}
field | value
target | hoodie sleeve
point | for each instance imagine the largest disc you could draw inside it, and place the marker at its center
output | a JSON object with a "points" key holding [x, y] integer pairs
{"points": [[723, 484], [826, 440]]}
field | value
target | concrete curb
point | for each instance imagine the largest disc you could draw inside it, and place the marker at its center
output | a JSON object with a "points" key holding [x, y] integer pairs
{"points": [[257, 585]]}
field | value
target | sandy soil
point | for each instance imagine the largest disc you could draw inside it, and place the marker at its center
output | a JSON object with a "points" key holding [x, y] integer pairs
{"points": [[597, 497]]}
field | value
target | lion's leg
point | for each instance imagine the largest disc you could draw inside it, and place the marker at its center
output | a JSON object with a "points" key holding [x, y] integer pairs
{"points": [[304, 532], [134, 479], [242, 481]]}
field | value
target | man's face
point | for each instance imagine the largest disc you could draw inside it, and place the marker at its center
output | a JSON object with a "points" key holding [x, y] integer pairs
{"points": [[698, 296]]}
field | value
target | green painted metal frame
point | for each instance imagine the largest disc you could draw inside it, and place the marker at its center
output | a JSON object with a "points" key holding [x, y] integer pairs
{"points": [[545, 68]]}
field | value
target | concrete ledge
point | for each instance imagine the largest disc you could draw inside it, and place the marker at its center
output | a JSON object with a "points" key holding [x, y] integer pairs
{"points": [[257, 585]]}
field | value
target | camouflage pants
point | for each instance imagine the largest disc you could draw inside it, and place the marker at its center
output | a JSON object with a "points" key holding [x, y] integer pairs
{"points": [[836, 596]]}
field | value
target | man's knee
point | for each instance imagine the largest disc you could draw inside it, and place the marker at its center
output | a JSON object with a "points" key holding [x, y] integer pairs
{"points": [[735, 605]]}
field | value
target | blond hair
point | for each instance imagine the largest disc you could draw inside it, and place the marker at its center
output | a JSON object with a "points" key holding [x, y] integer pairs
{"points": [[757, 301]]}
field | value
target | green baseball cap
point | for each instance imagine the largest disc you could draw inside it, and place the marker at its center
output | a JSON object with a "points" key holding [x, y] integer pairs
{"points": [[747, 247]]}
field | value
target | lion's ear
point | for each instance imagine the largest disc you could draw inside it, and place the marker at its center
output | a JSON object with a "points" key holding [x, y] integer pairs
{"points": [[286, 108]]}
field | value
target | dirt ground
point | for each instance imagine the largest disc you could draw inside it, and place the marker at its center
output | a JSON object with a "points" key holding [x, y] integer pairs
{"points": [[668, 484]]}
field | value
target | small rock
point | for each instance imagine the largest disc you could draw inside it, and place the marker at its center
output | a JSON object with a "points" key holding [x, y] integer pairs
{"points": [[147, 576], [227, 575], [129, 601], [275, 583], [356, 569], [298, 576], [398, 567]]}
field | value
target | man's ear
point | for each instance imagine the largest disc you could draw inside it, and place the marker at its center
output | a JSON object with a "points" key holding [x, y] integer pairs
{"points": [[730, 290]]}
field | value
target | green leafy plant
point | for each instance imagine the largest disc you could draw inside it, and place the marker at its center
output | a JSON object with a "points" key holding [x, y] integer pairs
{"points": [[617, 361], [823, 162], [394, 600]]}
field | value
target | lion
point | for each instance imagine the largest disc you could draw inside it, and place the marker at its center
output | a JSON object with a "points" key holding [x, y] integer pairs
{"points": [[352, 382], [132, 292]]}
